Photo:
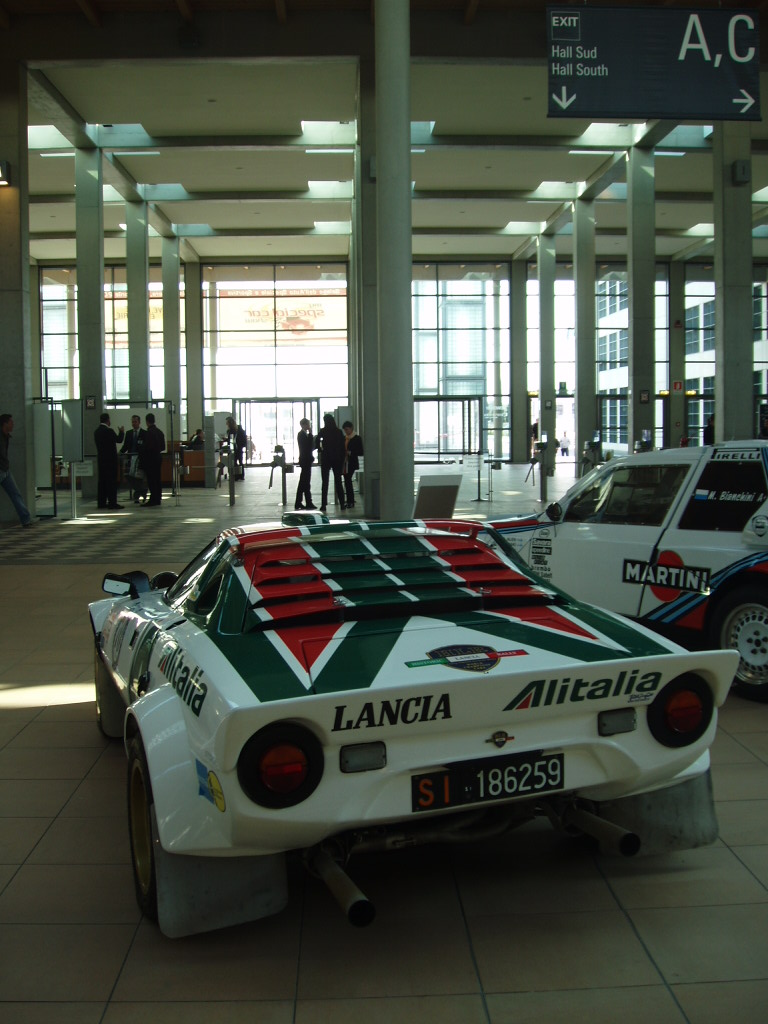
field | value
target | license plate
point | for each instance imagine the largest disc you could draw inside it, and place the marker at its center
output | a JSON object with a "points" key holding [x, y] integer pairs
{"points": [[487, 779]]}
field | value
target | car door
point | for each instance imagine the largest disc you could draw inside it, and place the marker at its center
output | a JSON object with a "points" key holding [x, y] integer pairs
{"points": [[705, 539], [608, 531]]}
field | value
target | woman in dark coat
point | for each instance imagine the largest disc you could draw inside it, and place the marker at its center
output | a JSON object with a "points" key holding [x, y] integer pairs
{"points": [[354, 449], [332, 452]]}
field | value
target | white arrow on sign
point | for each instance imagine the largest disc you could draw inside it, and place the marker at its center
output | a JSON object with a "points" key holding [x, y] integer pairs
{"points": [[564, 101], [746, 99]]}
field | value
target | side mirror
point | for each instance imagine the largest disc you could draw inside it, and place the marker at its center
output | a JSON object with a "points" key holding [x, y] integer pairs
{"points": [[555, 512], [163, 580], [116, 586], [123, 584]]}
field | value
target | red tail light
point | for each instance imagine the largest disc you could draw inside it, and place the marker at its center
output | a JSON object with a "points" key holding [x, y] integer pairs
{"points": [[280, 765], [684, 711], [283, 768], [681, 713]]}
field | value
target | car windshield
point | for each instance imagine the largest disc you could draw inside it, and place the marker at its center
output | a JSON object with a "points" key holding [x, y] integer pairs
{"points": [[637, 495]]}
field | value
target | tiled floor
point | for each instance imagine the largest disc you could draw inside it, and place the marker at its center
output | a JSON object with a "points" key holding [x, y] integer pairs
{"points": [[530, 928]]}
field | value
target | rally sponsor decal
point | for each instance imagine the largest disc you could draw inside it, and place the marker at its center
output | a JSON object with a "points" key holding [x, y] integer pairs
{"points": [[403, 711], [574, 690], [466, 657], [185, 678], [668, 577], [541, 553], [760, 525], [209, 787], [736, 455]]}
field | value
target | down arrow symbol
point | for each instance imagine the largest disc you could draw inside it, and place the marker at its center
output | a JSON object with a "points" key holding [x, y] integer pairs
{"points": [[564, 101]]}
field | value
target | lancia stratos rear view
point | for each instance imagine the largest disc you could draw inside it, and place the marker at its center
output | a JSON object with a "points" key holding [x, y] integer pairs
{"points": [[329, 689]]}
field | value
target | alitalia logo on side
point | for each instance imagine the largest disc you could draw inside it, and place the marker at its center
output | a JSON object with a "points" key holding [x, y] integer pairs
{"points": [[545, 692], [186, 680]]}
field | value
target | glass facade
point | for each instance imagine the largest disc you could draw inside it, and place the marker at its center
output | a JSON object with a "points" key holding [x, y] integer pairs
{"points": [[699, 348], [461, 360], [59, 352], [275, 348], [275, 331]]}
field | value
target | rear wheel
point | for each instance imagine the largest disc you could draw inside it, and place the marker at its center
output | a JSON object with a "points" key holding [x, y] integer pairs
{"points": [[740, 622], [140, 829]]}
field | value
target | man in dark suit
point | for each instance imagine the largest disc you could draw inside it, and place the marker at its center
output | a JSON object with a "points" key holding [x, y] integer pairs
{"points": [[106, 459], [151, 459], [134, 440], [306, 444]]}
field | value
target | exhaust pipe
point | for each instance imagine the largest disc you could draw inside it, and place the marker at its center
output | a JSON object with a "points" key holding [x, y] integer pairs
{"points": [[355, 904], [612, 838]]}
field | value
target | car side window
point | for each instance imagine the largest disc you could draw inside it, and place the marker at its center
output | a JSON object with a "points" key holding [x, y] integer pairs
{"points": [[190, 577], [633, 495], [140, 661], [586, 506], [730, 490], [209, 594]]}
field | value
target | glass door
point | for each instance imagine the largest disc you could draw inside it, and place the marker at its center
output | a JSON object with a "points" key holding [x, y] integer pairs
{"points": [[270, 423], [445, 429]]}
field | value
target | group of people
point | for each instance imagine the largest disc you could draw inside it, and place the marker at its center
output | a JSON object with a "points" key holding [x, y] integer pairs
{"points": [[339, 452], [142, 449]]}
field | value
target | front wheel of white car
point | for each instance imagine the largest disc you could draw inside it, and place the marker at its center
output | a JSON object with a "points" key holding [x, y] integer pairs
{"points": [[740, 622], [140, 829]]}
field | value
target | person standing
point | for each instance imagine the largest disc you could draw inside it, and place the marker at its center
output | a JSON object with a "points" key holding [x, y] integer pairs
{"points": [[106, 460], [331, 445], [353, 446], [709, 431], [6, 477], [306, 444], [134, 440], [151, 459], [237, 439]]}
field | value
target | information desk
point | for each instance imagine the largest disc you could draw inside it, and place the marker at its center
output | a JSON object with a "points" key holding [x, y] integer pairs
{"points": [[192, 466]]}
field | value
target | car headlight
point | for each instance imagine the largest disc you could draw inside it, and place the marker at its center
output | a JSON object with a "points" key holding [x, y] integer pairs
{"points": [[680, 713], [280, 765]]}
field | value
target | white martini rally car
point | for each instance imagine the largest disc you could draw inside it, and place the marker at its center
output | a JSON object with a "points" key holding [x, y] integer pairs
{"points": [[339, 688], [677, 539]]}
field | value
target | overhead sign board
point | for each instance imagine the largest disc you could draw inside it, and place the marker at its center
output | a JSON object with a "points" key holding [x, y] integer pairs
{"points": [[607, 62]]}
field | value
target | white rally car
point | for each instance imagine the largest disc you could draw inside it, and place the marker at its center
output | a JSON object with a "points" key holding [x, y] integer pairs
{"points": [[332, 689], [677, 539]]}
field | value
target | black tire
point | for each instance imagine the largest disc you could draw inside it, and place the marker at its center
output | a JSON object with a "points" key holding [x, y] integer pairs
{"points": [[740, 622], [140, 803]]}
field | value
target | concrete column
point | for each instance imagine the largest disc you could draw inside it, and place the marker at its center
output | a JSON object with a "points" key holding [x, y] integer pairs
{"points": [[547, 413], [137, 277], [35, 354], [193, 325], [641, 267], [367, 297], [519, 361], [586, 355], [172, 329], [735, 414], [393, 181], [676, 427], [89, 240], [16, 387]]}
